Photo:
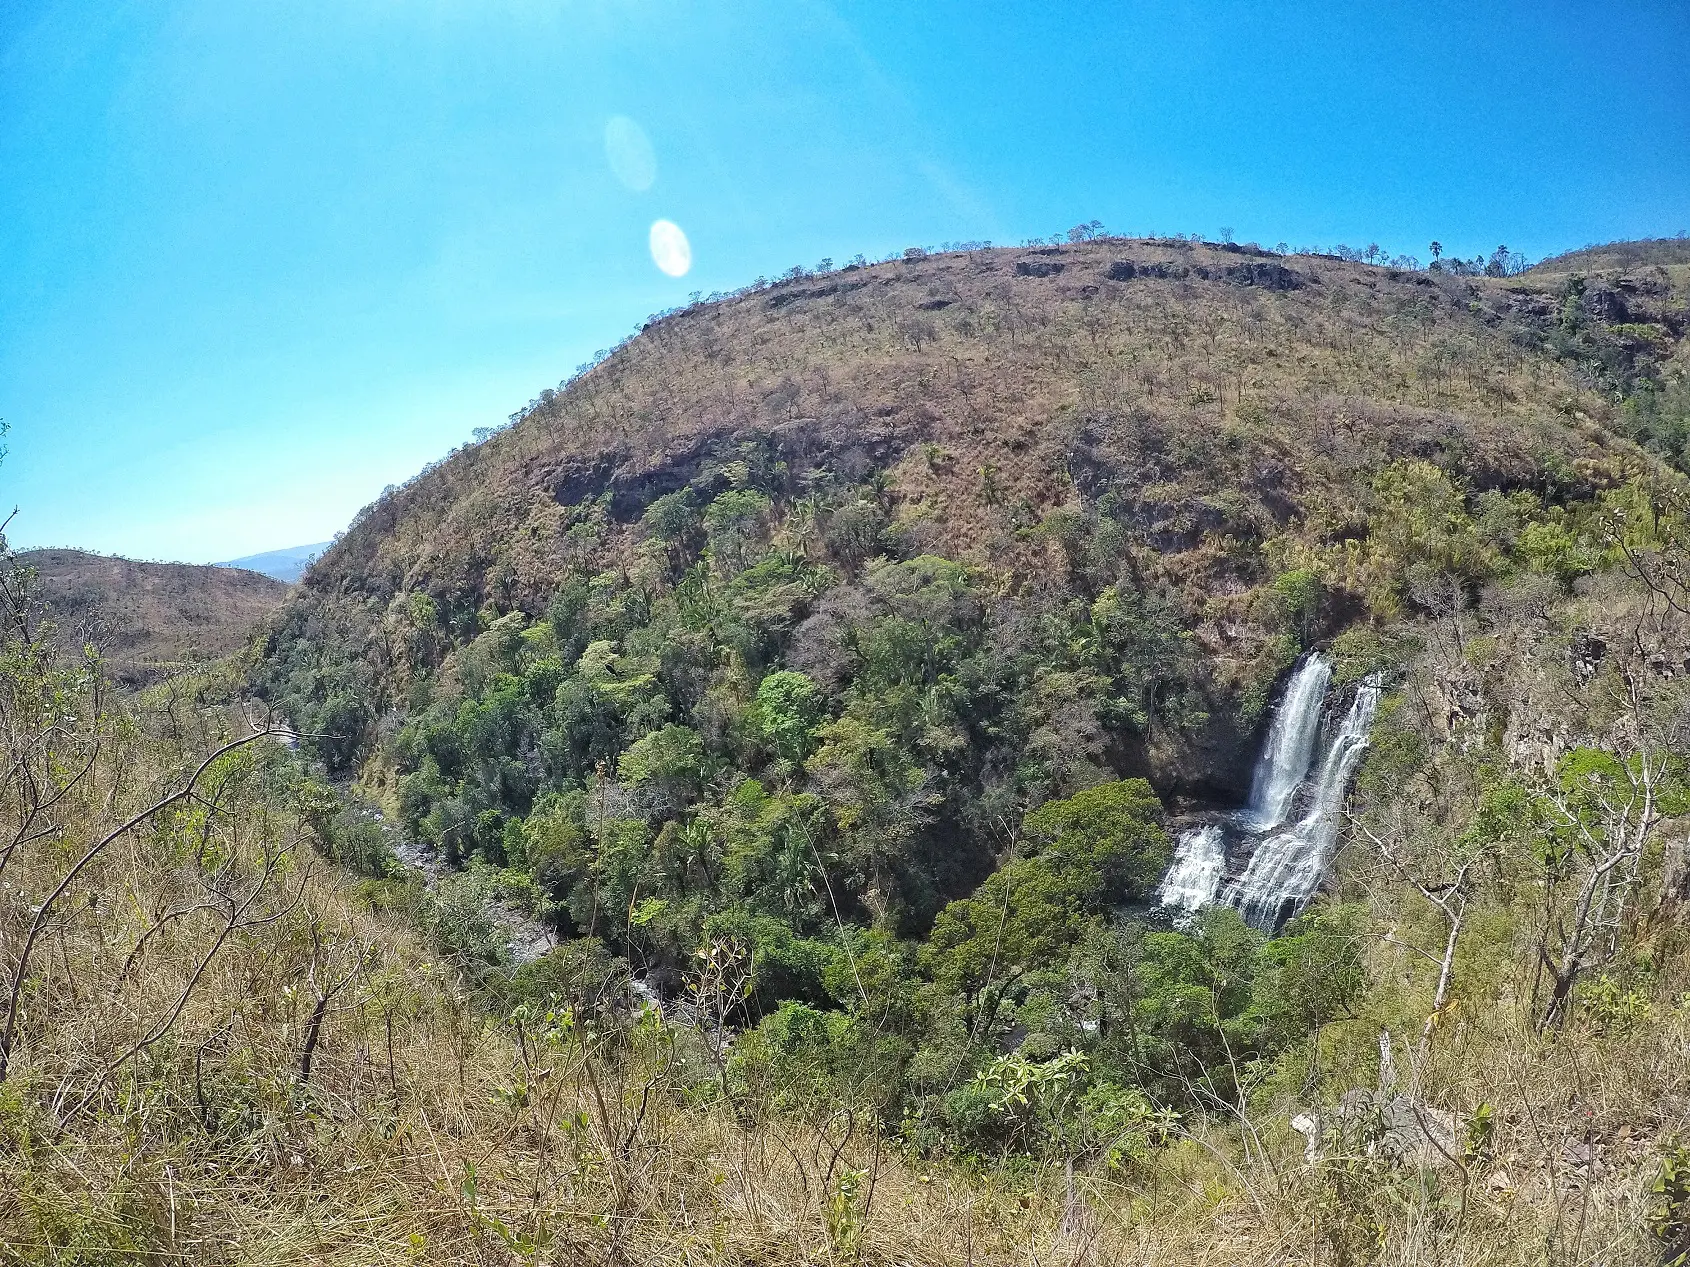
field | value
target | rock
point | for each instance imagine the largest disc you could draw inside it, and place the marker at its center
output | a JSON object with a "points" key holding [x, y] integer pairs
{"points": [[1382, 1123], [1266, 275], [1418, 1133], [1604, 305], [1581, 1153], [1308, 1126]]}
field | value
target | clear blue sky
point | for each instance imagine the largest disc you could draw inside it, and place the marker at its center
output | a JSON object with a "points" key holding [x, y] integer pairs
{"points": [[259, 258]]}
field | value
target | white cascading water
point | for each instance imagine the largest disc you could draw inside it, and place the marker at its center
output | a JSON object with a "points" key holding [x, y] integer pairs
{"points": [[1285, 867], [1199, 866], [1284, 762]]}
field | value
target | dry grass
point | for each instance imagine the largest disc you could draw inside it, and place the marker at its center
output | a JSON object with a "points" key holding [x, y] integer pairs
{"points": [[150, 619], [993, 394], [428, 1131]]}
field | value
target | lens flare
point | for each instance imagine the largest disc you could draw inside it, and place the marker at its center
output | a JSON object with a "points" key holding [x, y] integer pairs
{"points": [[629, 153], [670, 250]]}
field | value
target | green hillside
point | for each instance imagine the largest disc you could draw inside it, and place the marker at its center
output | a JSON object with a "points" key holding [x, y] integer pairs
{"points": [[781, 734]]}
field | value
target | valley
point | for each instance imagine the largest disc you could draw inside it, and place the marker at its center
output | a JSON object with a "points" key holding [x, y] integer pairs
{"points": [[1115, 750]]}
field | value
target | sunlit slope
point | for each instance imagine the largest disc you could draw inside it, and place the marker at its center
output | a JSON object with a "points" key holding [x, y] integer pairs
{"points": [[1222, 397], [1647, 255], [150, 619]]}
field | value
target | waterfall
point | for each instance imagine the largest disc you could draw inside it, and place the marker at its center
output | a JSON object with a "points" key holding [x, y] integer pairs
{"points": [[1286, 868], [1198, 868], [1284, 762], [1286, 863]]}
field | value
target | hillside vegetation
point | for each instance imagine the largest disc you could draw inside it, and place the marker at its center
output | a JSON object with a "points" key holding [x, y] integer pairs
{"points": [[1198, 414], [1218, 394], [148, 620], [829, 669], [1669, 255]]}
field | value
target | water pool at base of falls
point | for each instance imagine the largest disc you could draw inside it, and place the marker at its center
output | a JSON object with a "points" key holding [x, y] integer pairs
{"points": [[1284, 836]]}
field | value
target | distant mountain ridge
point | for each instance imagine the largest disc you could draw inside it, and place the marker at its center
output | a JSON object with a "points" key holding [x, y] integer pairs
{"points": [[1607, 257], [286, 565], [150, 619]]}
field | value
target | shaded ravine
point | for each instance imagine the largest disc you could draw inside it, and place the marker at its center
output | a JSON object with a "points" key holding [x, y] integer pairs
{"points": [[525, 938], [1284, 863], [1284, 866]]}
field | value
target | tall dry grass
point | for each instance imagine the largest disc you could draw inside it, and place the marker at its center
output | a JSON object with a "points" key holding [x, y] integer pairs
{"points": [[230, 1051]]}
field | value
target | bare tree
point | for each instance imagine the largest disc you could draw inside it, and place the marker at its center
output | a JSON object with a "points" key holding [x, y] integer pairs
{"points": [[1605, 808], [333, 967]]}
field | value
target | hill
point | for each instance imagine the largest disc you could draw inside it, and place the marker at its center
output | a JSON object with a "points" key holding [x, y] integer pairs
{"points": [[1013, 521], [1223, 407], [150, 619], [1617, 257], [1182, 375], [282, 565], [1180, 759], [1061, 704]]}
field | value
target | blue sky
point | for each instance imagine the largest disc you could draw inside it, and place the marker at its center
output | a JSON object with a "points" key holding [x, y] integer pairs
{"points": [[259, 259]]}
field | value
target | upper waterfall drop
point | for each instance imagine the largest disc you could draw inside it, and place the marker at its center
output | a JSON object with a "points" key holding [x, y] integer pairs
{"points": [[1284, 762], [1286, 868]]}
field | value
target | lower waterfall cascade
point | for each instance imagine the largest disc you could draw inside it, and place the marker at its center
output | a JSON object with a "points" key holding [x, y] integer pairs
{"points": [[1198, 868], [1290, 824]]}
